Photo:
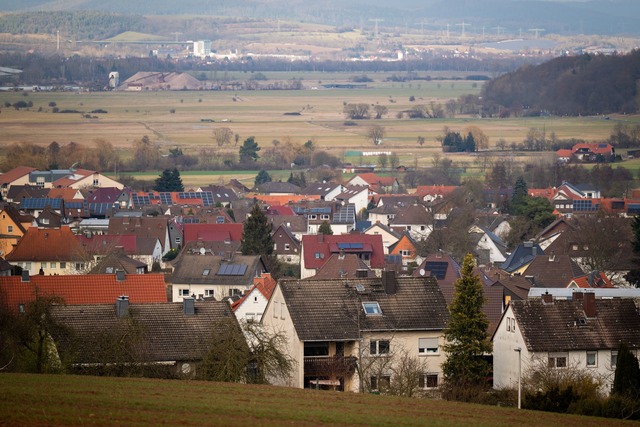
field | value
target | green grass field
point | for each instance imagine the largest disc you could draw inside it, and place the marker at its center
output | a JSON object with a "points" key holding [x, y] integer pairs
{"points": [[64, 400]]}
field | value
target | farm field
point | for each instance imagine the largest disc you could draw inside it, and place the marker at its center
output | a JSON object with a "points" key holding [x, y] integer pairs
{"points": [[29, 400], [187, 119]]}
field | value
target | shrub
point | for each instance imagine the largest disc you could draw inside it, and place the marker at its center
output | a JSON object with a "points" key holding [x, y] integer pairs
{"points": [[172, 111]]}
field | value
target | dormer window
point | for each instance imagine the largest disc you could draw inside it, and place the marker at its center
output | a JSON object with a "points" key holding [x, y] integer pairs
{"points": [[371, 308]]}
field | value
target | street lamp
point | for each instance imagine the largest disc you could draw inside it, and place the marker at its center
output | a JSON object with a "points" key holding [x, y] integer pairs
{"points": [[519, 350]]}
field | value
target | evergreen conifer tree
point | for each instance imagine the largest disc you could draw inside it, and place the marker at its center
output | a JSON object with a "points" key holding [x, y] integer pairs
{"points": [[626, 381], [466, 333], [169, 180], [325, 228], [256, 234]]}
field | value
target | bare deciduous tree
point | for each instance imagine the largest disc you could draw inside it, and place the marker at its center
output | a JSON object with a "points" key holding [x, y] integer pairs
{"points": [[222, 136], [375, 134]]}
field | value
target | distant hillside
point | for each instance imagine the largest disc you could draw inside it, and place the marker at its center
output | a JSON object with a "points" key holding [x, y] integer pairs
{"points": [[585, 84], [83, 25], [510, 16]]}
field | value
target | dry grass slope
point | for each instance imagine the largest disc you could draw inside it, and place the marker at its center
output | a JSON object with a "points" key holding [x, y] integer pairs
{"points": [[30, 400]]}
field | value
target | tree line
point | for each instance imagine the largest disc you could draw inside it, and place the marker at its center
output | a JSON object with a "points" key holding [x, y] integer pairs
{"points": [[570, 85]]}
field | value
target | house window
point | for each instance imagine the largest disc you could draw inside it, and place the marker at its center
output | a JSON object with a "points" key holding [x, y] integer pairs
{"points": [[276, 305], [209, 292], [381, 382], [371, 308], [275, 246], [178, 240], [183, 292], [408, 228], [63, 265], [557, 360], [429, 380], [249, 317], [206, 272], [427, 345], [592, 359], [95, 182], [316, 349], [21, 308], [513, 325], [325, 217], [52, 265], [287, 246], [27, 266], [405, 253], [574, 247], [377, 347], [614, 358], [45, 221], [9, 228], [508, 323], [79, 266], [282, 311], [312, 217], [108, 270], [43, 265]]}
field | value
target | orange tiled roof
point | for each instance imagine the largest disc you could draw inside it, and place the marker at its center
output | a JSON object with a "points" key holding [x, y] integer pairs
{"points": [[564, 152], [547, 193], [282, 200], [15, 173], [265, 284], [67, 194], [47, 244], [84, 289]]}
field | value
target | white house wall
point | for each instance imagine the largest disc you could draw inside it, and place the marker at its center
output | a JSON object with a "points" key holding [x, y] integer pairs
{"points": [[276, 319]]}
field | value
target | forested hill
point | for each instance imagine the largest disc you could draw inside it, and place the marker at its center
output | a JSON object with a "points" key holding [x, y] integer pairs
{"points": [[573, 85], [83, 25]]}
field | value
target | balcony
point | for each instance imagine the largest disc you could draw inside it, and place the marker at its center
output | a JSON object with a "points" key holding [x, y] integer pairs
{"points": [[332, 366]]}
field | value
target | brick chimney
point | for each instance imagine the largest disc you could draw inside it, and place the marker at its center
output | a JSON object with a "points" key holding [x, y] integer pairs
{"points": [[389, 281], [547, 298], [589, 304]]}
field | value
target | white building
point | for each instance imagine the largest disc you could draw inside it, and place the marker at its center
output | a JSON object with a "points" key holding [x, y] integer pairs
{"points": [[202, 48]]}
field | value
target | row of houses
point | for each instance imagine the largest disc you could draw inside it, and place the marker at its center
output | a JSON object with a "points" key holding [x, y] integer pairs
{"points": [[366, 296]]}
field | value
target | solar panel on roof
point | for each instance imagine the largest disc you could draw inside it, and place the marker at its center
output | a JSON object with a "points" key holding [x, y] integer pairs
{"points": [[349, 245], [207, 198], [438, 269], [232, 270], [165, 198], [41, 203]]}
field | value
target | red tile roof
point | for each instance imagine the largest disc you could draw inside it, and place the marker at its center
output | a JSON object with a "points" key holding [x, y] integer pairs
{"points": [[373, 179], [564, 153], [47, 244], [597, 148], [77, 175], [322, 244], [101, 244], [212, 232], [84, 289], [435, 190], [9, 176], [265, 284]]}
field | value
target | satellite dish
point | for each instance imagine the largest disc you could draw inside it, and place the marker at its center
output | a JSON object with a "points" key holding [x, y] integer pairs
{"points": [[202, 251], [422, 272]]}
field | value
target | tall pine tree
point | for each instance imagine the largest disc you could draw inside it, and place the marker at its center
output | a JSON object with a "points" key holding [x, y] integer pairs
{"points": [[466, 335], [626, 381], [169, 180], [256, 234]]}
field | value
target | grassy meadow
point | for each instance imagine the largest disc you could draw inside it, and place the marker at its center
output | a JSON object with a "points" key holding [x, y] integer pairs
{"points": [[65, 400], [183, 118]]}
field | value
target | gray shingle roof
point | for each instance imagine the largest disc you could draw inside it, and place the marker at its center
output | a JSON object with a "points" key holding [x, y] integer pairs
{"points": [[332, 309], [556, 326], [168, 334]]}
